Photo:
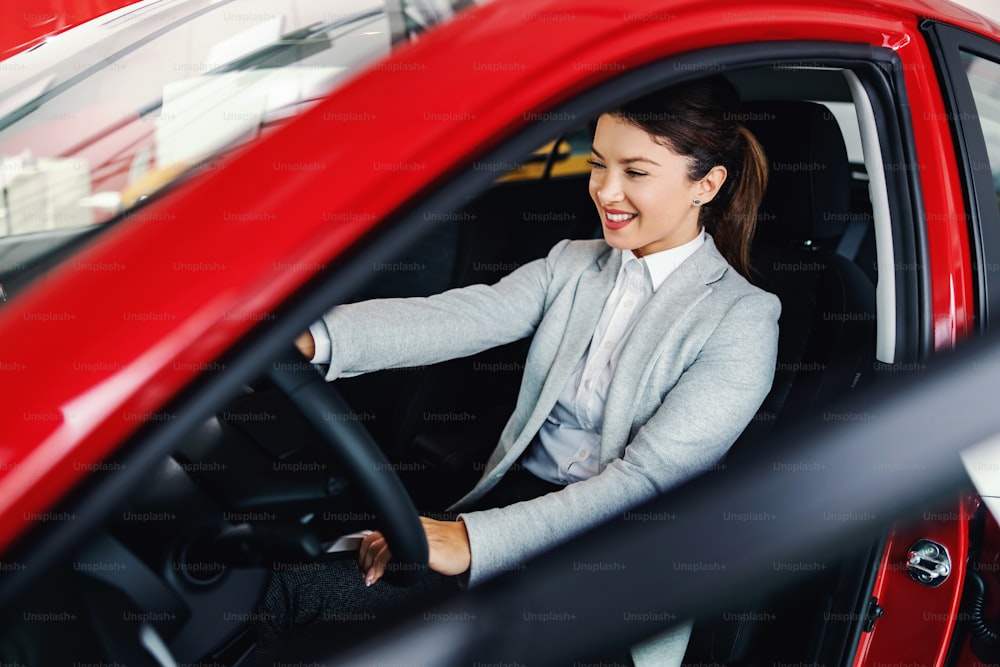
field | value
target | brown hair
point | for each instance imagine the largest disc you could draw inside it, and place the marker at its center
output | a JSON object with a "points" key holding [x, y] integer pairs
{"points": [[700, 120]]}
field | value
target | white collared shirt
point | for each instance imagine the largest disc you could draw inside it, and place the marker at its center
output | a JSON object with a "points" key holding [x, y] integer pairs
{"points": [[568, 445]]}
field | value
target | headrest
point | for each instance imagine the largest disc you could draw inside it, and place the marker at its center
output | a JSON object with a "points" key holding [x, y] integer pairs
{"points": [[808, 194]]}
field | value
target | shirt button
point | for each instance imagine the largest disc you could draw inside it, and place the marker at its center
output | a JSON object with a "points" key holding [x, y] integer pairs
{"points": [[629, 303], [587, 384], [610, 344]]}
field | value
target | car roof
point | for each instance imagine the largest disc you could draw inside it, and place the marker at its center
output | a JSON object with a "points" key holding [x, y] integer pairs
{"points": [[97, 348]]}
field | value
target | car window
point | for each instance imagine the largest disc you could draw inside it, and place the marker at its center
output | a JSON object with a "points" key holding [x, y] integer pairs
{"points": [[984, 77], [566, 156], [128, 105], [158, 92], [122, 106]]}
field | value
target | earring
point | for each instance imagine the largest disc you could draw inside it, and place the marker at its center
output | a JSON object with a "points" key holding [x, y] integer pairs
{"points": [[697, 202]]}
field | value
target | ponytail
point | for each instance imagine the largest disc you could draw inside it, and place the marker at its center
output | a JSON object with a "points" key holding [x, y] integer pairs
{"points": [[700, 120], [733, 227]]}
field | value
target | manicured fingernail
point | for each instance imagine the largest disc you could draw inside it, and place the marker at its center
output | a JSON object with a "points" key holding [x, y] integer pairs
{"points": [[369, 578]]}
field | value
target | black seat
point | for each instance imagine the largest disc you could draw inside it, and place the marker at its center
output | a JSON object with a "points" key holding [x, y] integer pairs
{"points": [[826, 330], [827, 325]]}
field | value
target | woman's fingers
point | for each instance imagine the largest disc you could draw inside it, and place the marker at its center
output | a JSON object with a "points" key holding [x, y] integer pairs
{"points": [[372, 557], [377, 569], [370, 546]]}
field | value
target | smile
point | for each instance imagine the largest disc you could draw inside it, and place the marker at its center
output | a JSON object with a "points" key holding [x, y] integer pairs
{"points": [[620, 217]]}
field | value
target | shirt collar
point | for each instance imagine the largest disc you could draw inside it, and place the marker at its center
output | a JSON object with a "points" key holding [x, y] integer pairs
{"points": [[659, 265]]}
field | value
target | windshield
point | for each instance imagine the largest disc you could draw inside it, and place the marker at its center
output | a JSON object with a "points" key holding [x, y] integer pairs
{"points": [[102, 116]]}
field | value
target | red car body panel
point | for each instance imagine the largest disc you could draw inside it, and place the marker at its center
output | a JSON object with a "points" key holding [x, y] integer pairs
{"points": [[28, 22], [99, 346]]}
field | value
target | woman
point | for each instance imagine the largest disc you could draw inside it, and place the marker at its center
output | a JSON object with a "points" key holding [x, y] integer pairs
{"points": [[651, 351]]}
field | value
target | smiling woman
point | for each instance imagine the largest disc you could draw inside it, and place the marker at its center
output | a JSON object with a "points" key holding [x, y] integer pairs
{"points": [[633, 334]]}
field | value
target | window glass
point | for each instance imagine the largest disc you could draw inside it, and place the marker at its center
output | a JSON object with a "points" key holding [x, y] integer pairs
{"points": [[566, 156], [157, 92], [123, 106], [984, 77]]}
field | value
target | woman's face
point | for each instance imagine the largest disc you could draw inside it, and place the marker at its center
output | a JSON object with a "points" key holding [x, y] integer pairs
{"points": [[642, 190]]}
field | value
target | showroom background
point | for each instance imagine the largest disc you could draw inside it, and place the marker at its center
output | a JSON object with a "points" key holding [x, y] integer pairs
{"points": [[990, 8]]}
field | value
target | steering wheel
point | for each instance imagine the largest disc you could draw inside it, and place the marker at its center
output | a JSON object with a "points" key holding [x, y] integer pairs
{"points": [[362, 461]]}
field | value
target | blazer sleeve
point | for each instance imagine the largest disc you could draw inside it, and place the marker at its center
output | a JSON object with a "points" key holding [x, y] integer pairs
{"points": [[699, 419], [397, 333]]}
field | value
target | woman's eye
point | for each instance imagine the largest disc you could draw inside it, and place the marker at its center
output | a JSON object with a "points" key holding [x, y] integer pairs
{"points": [[595, 164], [633, 173]]}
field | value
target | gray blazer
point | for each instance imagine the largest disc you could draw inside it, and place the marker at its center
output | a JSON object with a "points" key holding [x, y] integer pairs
{"points": [[694, 371]]}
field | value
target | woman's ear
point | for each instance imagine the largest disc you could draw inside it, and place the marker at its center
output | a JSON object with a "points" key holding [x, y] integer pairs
{"points": [[708, 187]]}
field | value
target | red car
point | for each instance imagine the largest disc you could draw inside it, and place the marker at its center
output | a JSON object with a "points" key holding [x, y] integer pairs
{"points": [[174, 221]]}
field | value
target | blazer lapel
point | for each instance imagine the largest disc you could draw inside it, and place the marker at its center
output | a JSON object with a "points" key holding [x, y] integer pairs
{"points": [[592, 292], [593, 288], [679, 293]]}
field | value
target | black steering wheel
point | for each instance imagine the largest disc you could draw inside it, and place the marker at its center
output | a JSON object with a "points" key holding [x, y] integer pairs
{"points": [[360, 458]]}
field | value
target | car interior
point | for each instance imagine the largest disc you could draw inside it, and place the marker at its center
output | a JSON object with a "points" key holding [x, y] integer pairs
{"points": [[254, 486]]}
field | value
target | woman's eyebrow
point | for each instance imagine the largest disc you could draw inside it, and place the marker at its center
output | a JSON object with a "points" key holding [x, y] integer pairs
{"points": [[628, 160]]}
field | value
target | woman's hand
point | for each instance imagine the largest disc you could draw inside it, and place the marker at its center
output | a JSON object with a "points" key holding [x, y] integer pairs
{"points": [[306, 345], [448, 542]]}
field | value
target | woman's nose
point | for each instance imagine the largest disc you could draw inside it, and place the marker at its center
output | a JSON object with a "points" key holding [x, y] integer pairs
{"points": [[610, 190]]}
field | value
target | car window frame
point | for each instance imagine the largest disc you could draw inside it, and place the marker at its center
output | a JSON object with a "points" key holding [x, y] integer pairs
{"points": [[913, 307], [946, 44], [879, 69]]}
